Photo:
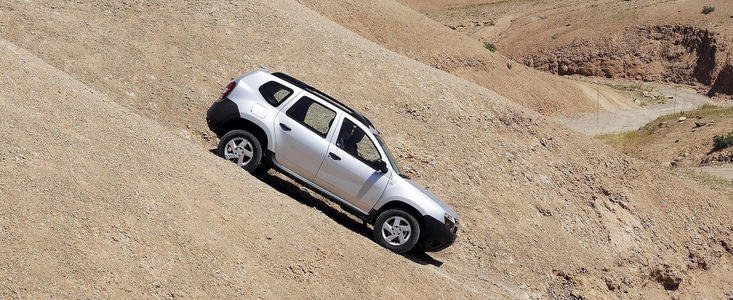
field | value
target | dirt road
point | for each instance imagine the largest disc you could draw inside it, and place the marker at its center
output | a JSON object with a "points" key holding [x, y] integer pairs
{"points": [[720, 171], [635, 118]]}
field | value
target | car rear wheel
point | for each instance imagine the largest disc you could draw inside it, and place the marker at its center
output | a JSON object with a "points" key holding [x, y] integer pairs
{"points": [[397, 230], [241, 147]]}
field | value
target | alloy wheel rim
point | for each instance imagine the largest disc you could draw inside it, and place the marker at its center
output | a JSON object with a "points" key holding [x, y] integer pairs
{"points": [[396, 230], [239, 150]]}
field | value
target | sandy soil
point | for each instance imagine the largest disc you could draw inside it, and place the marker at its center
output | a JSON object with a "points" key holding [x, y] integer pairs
{"points": [[98, 201], [108, 189]]}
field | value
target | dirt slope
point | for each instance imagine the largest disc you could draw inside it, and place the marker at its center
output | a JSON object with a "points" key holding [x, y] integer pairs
{"points": [[405, 31], [101, 202], [650, 40], [545, 211]]}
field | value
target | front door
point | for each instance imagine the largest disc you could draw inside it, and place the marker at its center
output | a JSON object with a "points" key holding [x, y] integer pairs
{"points": [[347, 169], [301, 133]]}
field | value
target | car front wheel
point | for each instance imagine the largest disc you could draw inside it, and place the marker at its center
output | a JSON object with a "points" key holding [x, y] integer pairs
{"points": [[242, 148], [397, 230]]}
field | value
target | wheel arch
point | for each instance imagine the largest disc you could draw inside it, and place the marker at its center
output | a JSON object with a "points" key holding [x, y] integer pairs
{"points": [[397, 204], [252, 127]]}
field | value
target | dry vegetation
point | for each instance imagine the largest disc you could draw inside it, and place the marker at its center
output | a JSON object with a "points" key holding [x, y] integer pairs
{"points": [[683, 128], [694, 138]]}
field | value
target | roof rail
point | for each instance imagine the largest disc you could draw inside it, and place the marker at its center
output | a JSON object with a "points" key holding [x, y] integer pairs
{"points": [[324, 96]]}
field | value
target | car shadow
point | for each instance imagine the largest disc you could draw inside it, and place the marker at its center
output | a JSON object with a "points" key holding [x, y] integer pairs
{"points": [[305, 197]]}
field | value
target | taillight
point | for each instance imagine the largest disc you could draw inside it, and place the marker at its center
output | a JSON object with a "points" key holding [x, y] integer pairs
{"points": [[228, 89]]}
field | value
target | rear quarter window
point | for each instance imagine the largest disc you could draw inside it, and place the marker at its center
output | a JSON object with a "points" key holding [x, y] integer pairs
{"points": [[313, 115], [275, 93]]}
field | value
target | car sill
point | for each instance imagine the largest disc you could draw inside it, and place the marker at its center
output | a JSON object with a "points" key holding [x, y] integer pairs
{"points": [[317, 188]]}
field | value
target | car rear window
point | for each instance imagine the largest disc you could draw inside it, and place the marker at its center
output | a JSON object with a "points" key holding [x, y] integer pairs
{"points": [[275, 93]]}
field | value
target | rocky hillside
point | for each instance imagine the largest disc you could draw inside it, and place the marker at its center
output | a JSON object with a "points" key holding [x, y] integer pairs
{"points": [[650, 40], [108, 189], [407, 32]]}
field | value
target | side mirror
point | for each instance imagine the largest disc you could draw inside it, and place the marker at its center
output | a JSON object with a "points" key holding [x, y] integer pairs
{"points": [[381, 166]]}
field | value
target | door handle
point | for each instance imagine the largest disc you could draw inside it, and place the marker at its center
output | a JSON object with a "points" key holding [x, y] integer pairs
{"points": [[284, 127], [334, 156]]}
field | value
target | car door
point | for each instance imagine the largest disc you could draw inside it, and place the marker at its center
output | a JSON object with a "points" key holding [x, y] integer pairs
{"points": [[348, 171], [301, 132]]}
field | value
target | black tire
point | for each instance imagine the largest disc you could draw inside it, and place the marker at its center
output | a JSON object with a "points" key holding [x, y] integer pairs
{"points": [[411, 239], [256, 148]]}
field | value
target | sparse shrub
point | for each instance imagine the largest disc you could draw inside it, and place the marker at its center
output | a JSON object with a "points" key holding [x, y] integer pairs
{"points": [[554, 36], [707, 9], [722, 141], [490, 46], [509, 65]]}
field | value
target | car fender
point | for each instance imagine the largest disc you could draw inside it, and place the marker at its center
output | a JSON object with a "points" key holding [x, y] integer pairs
{"points": [[408, 195]]}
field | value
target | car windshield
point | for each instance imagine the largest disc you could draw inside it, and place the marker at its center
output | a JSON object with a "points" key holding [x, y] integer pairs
{"points": [[390, 158]]}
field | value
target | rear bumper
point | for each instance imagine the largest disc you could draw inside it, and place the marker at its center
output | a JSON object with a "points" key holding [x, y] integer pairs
{"points": [[437, 236], [219, 114]]}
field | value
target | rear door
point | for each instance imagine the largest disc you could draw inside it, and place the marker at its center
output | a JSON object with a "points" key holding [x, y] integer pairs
{"points": [[301, 132], [348, 171]]}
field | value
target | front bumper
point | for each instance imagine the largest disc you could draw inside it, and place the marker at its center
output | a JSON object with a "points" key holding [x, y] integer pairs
{"points": [[437, 236]]}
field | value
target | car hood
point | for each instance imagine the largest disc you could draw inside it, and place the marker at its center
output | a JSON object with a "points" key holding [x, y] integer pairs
{"points": [[432, 197]]}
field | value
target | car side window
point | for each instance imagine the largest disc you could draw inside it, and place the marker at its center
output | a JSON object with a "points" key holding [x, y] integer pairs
{"points": [[355, 141], [313, 115], [275, 93]]}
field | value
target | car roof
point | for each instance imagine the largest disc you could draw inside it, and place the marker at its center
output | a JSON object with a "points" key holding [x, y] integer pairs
{"points": [[356, 115]]}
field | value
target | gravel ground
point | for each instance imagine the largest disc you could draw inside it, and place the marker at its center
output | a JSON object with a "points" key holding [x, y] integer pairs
{"points": [[108, 188]]}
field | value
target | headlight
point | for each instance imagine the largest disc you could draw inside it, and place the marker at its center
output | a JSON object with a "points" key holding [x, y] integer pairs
{"points": [[451, 223]]}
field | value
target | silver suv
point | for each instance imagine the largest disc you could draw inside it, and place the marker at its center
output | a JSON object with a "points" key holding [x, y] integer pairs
{"points": [[268, 120]]}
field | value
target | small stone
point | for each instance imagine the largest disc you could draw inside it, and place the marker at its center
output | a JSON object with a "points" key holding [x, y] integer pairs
{"points": [[682, 119], [677, 140]]}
